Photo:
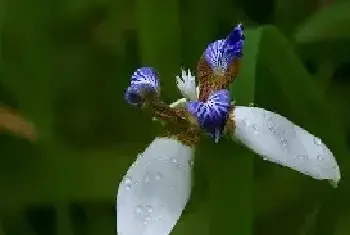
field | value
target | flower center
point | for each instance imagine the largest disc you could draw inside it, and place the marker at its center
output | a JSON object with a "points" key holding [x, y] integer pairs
{"points": [[178, 123]]}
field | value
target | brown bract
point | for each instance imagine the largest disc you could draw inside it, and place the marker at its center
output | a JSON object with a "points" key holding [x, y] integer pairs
{"points": [[178, 123], [230, 124], [208, 81]]}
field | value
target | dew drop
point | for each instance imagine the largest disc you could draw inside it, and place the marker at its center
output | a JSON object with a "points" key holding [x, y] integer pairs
{"points": [[148, 209], [138, 210], [255, 129], [267, 116], [146, 179], [265, 158], [147, 219], [173, 160], [317, 141], [247, 122], [128, 182], [158, 176], [302, 157], [284, 142], [320, 157]]}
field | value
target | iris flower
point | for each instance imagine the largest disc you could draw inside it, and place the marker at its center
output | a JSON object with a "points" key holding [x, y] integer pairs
{"points": [[157, 186]]}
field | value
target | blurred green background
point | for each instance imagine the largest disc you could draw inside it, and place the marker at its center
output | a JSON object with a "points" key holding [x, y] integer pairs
{"points": [[65, 64]]}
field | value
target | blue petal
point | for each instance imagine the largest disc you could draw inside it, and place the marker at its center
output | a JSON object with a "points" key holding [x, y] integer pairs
{"points": [[234, 42], [146, 75], [212, 115], [221, 53], [135, 94]]}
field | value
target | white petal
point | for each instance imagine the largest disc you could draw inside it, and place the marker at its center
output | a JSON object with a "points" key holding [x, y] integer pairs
{"points": [[279, 140], [155, 189], [187, 85], [179, 103]]}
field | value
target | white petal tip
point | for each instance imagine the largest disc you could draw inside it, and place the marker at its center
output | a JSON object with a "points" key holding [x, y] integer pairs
{"points": [[278, 140], [155, 190], [335, 181], [179, 103], [187, 84]]}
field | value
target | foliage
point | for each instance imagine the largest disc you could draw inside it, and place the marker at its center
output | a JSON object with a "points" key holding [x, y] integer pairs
{"points": [[65, 65]]}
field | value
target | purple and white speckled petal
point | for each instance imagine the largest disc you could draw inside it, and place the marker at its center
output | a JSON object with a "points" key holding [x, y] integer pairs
{"points": [[213, 54], [212, 115], [146, 75], [234, 42], [221, 53]]}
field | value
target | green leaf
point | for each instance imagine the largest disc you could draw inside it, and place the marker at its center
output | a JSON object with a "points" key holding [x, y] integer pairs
{"points": [[343, 225], [283, 85], [328, 23], [232, 168], [159, 37], [289, 13]]}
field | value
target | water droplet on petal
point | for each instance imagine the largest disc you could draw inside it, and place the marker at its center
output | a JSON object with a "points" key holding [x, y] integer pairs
{"points": [[158, 176], [320, 157], [317, 141], [173, 160], [138, 210], [284, 142], [146, 179], [148, 209], [128, 182], [302, 157], [147, 219], [265, 158], [255, 129]]}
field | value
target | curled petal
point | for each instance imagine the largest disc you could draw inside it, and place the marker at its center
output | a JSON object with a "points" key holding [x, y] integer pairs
{"points": [[278, 140], [155, 189], [214, 55], [146, 76], [220, 63], [137, 93], [234, 42], [212, 115], [187, 85], [221, 53]]}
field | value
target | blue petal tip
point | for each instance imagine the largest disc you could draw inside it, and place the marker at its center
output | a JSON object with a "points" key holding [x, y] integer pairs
{"points": [[132, 96], [221, 53], [146, 75], [137, 93]]}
